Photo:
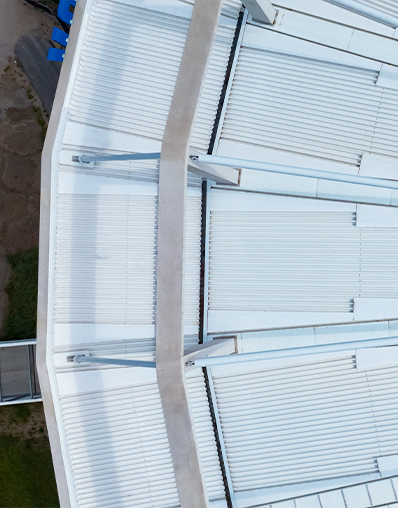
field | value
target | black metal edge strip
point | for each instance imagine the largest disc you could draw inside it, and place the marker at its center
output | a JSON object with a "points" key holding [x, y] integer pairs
{"points": [[204, 182], [226, 81], [202, 262], [217, 438]]}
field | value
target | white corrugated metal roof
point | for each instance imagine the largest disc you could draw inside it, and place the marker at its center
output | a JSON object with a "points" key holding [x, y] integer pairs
{"points": [[333, 421], [301, 95], [303, 92], [102, 286]]}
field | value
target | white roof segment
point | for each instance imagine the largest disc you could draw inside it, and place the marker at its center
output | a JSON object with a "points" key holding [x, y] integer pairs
{"points": [[333, 422], [289, 262], [102, 291], [118, 444]]}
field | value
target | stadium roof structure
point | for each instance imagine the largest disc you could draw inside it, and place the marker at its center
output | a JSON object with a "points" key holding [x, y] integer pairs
{"points": [[218, 279]]}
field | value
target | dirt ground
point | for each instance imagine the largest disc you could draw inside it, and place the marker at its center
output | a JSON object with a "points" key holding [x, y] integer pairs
{"points": [[23, 124]]}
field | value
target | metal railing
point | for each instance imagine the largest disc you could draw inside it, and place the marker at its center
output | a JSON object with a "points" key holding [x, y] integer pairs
{"points": [[19, 382]]}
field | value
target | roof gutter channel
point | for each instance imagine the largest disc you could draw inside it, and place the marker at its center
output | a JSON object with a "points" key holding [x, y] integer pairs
{"points": [[170, 261]]}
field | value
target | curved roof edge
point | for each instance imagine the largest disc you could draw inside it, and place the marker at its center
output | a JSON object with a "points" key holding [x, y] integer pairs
{"points": [[44, 246]]}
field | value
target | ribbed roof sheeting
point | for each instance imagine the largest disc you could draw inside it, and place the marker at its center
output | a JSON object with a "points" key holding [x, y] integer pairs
{"points": [[388, 6], [298, 261], [193, 230], [205, 437], [119, 449], [126, 79], [129, 68], [379, 262], [106, 259], [311, 107], [380, 493], [307, 422]]}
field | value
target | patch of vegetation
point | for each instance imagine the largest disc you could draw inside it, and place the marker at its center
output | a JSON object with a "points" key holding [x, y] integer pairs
{"points": [[29, 94], [21, 413], [40, 120], [26, 470], [26, 473], [7, 68], [22, 295]]}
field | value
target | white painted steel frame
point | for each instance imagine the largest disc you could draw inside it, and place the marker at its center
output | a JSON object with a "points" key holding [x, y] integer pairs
{"points": [[296, 171], [22, 342], [368, 10], [30, 364], [292, 352]]}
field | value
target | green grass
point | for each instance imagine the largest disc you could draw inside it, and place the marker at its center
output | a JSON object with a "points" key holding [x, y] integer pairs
{"points": [[26, 471], [20, 322]]}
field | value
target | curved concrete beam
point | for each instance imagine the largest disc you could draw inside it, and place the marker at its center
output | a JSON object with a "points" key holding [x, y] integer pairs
{"points": [[170, 263], [44, 257]]}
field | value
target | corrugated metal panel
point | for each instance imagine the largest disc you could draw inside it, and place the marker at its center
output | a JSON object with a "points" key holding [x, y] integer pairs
{"points": [[311, 107], [131, 464], [119, 449], [129, 67], [379, 262], [388, 6], [307, 422], [126, 79], [106, 259], [205, 437], [298, 261]]}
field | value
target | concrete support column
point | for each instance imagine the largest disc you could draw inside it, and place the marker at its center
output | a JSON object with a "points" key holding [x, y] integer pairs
{"points": [[170, 264]]}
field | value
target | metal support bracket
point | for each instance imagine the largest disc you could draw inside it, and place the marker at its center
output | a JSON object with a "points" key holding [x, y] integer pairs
{"points": [[86, 358], [86, 159], [223, 346], [262, 11], [222, 175]]}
